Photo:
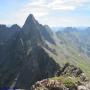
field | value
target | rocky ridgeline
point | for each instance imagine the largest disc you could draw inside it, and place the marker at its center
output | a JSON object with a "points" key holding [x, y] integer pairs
{"points": [[68, 78]]}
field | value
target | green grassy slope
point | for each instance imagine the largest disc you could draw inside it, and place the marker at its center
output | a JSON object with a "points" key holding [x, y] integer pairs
{"points": [[67, 51]]}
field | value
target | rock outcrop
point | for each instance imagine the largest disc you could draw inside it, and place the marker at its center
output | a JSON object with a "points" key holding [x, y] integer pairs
{"points": [[68, 79]]}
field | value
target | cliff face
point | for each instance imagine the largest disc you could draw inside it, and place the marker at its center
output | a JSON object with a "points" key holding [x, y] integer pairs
{"points": [[37, 66]]}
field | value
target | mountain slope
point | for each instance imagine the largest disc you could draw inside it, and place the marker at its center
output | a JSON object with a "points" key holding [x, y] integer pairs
{"points": [[73, 45]]}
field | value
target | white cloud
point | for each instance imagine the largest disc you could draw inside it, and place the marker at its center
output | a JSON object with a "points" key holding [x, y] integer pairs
{"points": [[67, 4], [43, 8], [38, 8]]}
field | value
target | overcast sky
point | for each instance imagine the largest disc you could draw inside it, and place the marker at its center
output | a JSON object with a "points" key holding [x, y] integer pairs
{"points": [[51, 12]]}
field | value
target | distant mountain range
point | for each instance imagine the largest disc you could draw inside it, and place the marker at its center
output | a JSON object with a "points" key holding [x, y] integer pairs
{"points": [[34, 52]]}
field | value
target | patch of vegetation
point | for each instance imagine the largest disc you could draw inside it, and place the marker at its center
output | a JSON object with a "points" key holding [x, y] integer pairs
{"points": [[69, 82]]}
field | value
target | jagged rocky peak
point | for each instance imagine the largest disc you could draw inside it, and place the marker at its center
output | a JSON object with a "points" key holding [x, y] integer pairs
{"points": [[30, 21], [31, 24], [31, 30], [3, 27], [38, 32], [39, 65], [15, 27]]}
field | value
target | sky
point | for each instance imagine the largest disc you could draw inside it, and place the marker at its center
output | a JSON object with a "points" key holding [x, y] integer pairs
{"points": [[55, 13]]}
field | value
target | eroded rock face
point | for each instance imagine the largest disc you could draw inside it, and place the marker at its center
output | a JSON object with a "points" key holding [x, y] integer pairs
{"points": [[38, 66]]}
